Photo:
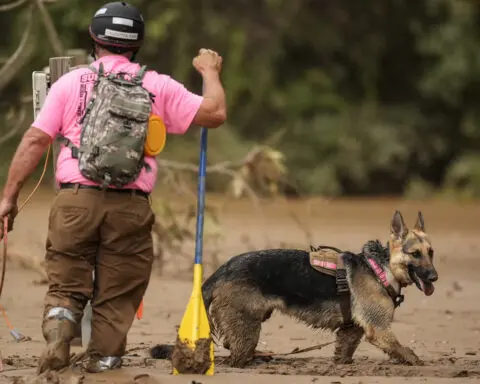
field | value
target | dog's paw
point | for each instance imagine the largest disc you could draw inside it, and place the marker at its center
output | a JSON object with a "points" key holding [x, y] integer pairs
{"points": [[404, 361], [410, 358], [395, 361]]}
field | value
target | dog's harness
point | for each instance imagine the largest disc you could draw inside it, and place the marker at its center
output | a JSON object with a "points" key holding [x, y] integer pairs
{"points": [[340, 274]]}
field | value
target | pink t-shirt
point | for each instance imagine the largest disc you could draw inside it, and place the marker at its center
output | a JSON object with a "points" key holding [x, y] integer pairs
{"points": [[67, 99]]}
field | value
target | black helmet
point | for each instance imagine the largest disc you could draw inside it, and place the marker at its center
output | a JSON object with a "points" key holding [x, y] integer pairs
{"points": [[118, 25]]}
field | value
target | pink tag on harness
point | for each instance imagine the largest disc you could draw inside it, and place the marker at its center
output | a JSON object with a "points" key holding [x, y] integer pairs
{"points": [[379, 271], [324, 264]]}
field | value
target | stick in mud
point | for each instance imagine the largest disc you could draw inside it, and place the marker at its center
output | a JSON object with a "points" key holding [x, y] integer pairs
{"points": [[188, 361]]}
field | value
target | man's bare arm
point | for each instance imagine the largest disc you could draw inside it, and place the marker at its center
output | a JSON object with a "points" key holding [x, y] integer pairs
{"points": [[213, 110], [26, 158]]}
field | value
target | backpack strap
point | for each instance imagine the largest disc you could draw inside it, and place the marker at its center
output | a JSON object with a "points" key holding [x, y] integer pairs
{"points": [[147, 167], [63, 140], [100, 71], [140, 74]]}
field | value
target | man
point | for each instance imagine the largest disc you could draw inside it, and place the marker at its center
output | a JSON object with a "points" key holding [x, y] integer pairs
{"points": [[103, 230]]}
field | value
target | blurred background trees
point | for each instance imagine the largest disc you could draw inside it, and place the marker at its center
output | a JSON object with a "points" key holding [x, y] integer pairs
{"points": [[372, 97]]}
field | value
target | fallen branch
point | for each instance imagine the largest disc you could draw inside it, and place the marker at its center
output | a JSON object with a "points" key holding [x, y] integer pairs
{"points": [[10, 6], [220, 168], [260, 167], [216, 168], [225, 169], [294, 351]]}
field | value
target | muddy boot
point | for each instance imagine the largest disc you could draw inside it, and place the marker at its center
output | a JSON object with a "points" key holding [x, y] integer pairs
{"points": [[102, 364], [58, 330]]}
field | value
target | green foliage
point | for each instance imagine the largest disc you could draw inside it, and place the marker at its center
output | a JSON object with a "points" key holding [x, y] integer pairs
{"points": [[358, 150], [463, 176], [371, 97]]}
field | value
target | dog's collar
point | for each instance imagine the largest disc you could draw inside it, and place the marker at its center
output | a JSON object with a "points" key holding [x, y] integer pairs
{"points": [[381, 276]]}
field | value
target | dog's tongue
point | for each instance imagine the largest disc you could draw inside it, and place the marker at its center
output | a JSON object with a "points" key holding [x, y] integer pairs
{"points": [[427, 288]]}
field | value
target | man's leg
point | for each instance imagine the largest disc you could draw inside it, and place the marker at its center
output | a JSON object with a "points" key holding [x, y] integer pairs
{"points": [[71, 247], [124, 264]]}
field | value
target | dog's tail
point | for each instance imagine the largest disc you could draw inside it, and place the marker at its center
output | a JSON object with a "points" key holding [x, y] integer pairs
{"points": [[164, 351]]}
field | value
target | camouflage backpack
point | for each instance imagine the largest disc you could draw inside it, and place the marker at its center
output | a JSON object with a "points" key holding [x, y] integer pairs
{"points": [[114, 129]]}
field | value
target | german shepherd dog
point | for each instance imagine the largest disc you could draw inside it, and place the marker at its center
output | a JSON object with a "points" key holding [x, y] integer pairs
{"points": [[245, 291]]}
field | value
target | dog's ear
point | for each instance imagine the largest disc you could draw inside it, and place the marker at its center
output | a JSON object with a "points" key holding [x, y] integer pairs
{"points": [[420, 224], [398, 228]]}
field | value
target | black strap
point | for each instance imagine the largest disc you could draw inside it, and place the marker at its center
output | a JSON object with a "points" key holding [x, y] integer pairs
{"points": [[343, 291], [342, 283], [346, 310], [397, 298], [75, 151], [147, 166], [101, 71]]}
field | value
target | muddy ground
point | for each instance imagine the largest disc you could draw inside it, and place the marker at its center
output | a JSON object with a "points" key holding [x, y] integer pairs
{"points": [[443, 329]]}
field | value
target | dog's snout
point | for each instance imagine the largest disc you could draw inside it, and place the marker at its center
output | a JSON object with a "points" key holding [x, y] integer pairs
{"points": [[433, 276]]}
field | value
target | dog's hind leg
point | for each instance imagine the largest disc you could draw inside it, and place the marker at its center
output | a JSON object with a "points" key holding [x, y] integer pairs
{"points": [[243, 342], [346, 344], [267, 316], [241, 335], [237, 312], [388, 343]]}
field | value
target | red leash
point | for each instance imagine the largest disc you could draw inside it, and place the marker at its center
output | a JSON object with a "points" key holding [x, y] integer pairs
{"points": [[15, 334], [4, 265], [4, 261]]}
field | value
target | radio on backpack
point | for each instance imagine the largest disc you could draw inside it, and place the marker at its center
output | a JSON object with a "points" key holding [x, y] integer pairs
{"points": [[114, 129]]}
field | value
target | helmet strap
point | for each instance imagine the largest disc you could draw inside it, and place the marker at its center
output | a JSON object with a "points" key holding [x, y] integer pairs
{"points": [[92, 52], [134, 55]]}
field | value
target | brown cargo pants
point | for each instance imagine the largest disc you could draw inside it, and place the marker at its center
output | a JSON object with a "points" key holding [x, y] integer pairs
{"points": [[110, 233]]}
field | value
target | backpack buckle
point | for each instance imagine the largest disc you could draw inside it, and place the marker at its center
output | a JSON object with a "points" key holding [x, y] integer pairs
{"points": [[74, 152]]}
